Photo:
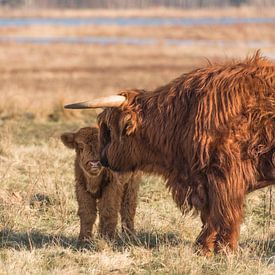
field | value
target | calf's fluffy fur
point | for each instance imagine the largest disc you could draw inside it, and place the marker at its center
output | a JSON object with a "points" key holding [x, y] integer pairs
{"points": [[99, 189]]}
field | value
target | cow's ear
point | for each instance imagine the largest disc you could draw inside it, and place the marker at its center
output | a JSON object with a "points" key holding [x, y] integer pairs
{"points": [[128, 124], [131, 95], [129, 119], [68, 140]]}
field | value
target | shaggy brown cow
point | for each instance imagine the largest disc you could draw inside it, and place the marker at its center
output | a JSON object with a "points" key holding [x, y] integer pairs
{"points": [[210, 133], [99, 187]]}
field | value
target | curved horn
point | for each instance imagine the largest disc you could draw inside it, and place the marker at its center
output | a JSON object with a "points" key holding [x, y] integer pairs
{"points": [[108, 101]]}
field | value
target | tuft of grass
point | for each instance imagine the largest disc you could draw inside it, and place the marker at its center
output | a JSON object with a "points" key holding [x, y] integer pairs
{"points": [[6, 140]]}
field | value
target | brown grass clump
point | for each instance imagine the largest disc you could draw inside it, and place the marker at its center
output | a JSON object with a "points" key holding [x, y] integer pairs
{"points": [[6, 139]]}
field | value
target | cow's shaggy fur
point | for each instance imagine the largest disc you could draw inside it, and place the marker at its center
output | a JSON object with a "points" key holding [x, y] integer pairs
{"points": [[210, 133], [99, 188]]}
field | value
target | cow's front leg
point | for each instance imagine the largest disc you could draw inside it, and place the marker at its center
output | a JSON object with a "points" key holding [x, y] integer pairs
{"points": [[205, 242], [129, 205]]}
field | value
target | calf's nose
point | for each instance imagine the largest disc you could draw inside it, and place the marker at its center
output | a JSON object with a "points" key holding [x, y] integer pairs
{"points": [[95, 164]]}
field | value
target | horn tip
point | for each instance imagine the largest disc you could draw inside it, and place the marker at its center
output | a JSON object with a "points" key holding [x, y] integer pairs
{"points": [[66, 106], [69, 106], [75, 106]]}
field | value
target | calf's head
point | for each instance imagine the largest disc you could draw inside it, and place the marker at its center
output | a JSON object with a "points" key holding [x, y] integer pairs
{"points": [[86, 145]]}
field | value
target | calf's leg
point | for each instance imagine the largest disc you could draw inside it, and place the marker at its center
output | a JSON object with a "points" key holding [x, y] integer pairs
{"points": [[109, 207], [87, 212]]}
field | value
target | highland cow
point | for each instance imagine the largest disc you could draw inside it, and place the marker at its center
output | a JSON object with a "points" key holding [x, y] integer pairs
{"points": [[100, 188], [209, 132]]}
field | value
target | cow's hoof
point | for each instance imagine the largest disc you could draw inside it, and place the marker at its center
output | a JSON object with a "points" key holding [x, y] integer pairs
{"points": [[203, 250], [85, 244]]}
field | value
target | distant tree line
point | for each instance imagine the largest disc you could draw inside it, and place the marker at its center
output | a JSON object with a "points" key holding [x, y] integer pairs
{"points": [[111, 4]]}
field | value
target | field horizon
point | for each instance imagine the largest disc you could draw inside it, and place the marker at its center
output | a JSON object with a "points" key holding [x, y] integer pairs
{"points": [[242, 11]]}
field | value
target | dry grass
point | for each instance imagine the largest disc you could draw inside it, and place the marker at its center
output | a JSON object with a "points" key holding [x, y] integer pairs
{"points": [[38, 222], [38, 232], [33, 78]]}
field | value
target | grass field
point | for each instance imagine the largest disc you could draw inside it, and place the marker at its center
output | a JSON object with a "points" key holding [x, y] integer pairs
{"points": [[38, 221]]}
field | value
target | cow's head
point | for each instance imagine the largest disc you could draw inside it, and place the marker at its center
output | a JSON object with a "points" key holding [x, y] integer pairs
{"points": [[86, 144], [121, 146]]}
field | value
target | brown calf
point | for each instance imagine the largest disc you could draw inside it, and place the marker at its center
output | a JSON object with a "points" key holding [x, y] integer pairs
{"points": [[98, 188]]}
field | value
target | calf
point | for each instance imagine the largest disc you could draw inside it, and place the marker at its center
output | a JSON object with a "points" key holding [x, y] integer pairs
{"points": [[99, 188]]}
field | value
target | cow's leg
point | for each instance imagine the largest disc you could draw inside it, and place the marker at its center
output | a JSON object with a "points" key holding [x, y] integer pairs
{"points": [[228, 237], [227, 197], [205, 242], [129, 205], [230, 226], [86, 211], [109, 207]]}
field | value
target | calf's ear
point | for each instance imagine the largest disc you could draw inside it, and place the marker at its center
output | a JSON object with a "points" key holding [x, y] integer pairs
{"points": [[68, 140]]}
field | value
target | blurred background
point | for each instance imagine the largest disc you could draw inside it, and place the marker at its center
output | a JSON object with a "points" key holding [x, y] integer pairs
{"points": [[53, 52], [57, 52], [132, 3]]}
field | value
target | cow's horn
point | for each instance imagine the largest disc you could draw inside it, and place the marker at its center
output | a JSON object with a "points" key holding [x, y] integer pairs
{"points": [[108, 101]]}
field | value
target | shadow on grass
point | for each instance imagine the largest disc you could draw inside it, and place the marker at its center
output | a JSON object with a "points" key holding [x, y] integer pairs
{"points": [[150, 240], [36, 239]]}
